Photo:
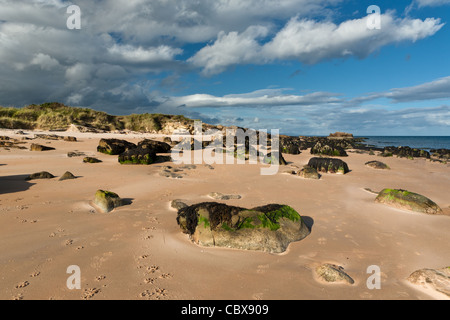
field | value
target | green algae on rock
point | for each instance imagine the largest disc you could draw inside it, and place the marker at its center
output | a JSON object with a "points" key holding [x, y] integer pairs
{"points": [[406, 200], [269, 228], [107, 201]]}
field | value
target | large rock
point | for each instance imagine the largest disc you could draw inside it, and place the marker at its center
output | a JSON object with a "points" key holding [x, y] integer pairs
{"points": [[340, 135], [270, 228], [107, 201], [114, 146], [406, 200], [437, 280], [156, 146], [329, 165]]}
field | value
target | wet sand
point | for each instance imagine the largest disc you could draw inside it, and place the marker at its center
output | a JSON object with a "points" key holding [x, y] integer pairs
{"points": [[138, 251]]}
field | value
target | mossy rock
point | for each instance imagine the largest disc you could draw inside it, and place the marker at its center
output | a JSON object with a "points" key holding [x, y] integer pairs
{"points": [[269, 228], [309, 173], [107, 201], [406, 200], [329, 165]]}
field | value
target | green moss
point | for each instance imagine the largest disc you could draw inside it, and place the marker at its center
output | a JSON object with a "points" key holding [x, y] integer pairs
{"points": [[204, 221]]}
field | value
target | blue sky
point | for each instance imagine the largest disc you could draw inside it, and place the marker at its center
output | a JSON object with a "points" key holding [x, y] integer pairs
{"points": [[306, 67]]}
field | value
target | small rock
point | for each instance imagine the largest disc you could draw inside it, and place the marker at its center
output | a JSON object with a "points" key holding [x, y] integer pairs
{"points": [[38, 147], [309, 173], [220, 196], [377, 165], [178, 204], [333, 273], [67, 176], [107, 200], [91, 160], [438, 280]]}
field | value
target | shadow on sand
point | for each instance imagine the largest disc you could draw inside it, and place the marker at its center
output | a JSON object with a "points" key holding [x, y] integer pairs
{"points": [[12, 184]]}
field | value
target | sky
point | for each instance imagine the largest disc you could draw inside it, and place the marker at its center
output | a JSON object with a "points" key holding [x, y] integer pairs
{"points": [[304, 67]]}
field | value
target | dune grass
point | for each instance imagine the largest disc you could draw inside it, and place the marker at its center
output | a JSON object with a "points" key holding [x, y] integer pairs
{"points": [[57, 116]]}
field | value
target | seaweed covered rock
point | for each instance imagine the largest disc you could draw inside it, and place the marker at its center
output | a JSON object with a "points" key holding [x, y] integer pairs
{"points": [[329, 165], [333, 273], [406, 200], [377, 165], [328, 148], [91, 160], [274, 158], [114, 146], [269, 228], [291, 145], [107, 201]]}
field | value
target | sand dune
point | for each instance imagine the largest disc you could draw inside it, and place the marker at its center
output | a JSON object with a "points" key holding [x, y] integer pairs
{"points": [[138, 251]]}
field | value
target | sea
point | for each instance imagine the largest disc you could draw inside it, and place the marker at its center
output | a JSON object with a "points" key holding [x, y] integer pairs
{"points": [[420, 142]]}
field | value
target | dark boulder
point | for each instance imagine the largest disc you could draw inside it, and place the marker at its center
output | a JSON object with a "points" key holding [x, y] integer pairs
{"points": [[40, 175], [407, 152], [330, 165], [114, 146], [328, 148]]}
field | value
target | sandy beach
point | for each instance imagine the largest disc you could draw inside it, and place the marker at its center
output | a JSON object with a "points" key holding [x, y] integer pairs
{"points": [[138, 251]]}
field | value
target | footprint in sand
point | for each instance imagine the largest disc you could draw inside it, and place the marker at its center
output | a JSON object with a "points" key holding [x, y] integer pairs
{"points": [[322, 241], [90, 293], [22, 285]]}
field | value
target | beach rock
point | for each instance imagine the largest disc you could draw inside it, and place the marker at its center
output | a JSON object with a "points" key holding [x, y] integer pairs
{"points": [[156, 146], [377, 165], [67, 176], [274, 158], [107, 201], [333, 273], [178, 204], [145, 153], [220, 196], [291, 145], [437, 280], [40, 175], [70, 139], [329, 165], [38, 147], [309, 173], [329, 149], [441, 153], [114, 146], [91, 160], [73, 154], [269, 228], [406, 200]]}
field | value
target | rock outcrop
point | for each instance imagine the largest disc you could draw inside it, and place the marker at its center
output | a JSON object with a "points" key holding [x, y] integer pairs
{"points": [[406, 152], [410, 201], [269, 228], [328, 148]]}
